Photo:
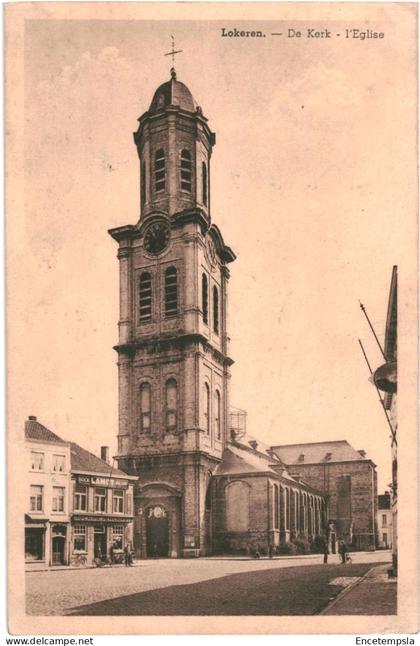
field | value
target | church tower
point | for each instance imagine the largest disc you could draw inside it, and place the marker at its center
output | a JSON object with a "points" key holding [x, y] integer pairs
{"points": [[173, 357]]}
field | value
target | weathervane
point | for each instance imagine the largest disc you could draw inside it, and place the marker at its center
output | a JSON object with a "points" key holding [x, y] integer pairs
{"points": [[172, 53]]}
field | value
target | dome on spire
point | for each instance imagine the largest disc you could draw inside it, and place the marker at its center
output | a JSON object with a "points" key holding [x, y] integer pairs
{"points": [[173, 92]]}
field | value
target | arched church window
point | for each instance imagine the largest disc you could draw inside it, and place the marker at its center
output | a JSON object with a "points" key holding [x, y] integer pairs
{"points": [[217, 425], [204, 180], [237, 506], [215, 310], [143, 184], [186, 170], [145, 297], [206, 408], [171, 292], [205, 298], [171, 404], [160, 170], [145, 407], [276, 507]]}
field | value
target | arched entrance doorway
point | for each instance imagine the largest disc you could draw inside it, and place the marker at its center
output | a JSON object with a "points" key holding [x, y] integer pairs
{"points": [[157, 532]]}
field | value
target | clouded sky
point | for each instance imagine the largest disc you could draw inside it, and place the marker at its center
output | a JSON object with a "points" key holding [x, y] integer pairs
{"points": [[311, 178]]}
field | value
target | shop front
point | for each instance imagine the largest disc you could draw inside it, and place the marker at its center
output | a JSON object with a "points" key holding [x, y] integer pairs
{"points": [[99, 538], [35, 541]]}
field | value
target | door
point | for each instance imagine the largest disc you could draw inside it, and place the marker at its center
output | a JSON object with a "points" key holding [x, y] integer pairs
{"points": [[58, 546], [157, 532], [99, 545]]}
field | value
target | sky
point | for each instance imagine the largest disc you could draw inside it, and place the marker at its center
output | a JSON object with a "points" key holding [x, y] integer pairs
{"points": [[310, 186]]}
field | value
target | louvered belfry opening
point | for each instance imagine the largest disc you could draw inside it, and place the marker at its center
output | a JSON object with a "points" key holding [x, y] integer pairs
{"points": [[160, 170], [145, 297], [186, 170], [171, 292]]}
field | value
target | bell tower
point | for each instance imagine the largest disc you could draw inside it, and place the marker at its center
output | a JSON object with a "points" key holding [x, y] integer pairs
{"points": [[173, 357]]}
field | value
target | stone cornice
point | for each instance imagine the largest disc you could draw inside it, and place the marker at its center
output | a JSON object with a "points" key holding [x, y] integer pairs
{"points": [[161, 343]]}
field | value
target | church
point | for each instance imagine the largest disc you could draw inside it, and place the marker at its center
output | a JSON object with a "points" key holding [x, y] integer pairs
{"points": [[204, 485]]}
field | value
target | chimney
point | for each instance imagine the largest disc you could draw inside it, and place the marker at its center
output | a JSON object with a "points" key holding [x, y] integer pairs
{"points": [[105, 453], [328, 456], [32, 418], [362, 453], [301, 457]]}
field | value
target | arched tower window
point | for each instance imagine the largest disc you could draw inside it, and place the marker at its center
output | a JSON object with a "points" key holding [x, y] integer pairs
{"points": [[171, 292], [217, 424], [204, 180], [145, 297], [186, 170], [205, 298], [143, 184], [206, 408], [215, 310], [145, 407], [171, 404], [160, 170]]}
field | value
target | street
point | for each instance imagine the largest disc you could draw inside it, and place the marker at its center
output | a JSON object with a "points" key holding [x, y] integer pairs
{"points": [[206, 586]]}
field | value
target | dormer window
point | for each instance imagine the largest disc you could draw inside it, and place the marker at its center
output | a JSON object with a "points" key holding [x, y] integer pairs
{"points": [[160, 170], [186, 170]]}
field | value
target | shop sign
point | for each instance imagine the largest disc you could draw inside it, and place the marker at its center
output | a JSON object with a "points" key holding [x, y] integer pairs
{"points": [[83, 479], [103, 519], [100, 481]]}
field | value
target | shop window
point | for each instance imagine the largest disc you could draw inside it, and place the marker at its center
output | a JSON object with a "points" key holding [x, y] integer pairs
{"points": [[145, 294], [59, 463], [217, 411], [204, 179], [37, 461], [160, 170], [171, 292], [34, 544], [118, 501], [79, 538], [205, 298], [118, 537], [58, 499], [80, 498], [100, 499], [36, 498], [171, 404], [145, 414], [186, 170], [215, 310]]}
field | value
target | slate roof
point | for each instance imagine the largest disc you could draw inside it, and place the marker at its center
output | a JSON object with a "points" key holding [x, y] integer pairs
{"points": [[315, 452], [82, 460], [173, 92], [36, 431], [236, 460]]}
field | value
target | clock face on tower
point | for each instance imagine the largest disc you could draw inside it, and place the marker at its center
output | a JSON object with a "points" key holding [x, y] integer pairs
{"points": [[156, 237]]}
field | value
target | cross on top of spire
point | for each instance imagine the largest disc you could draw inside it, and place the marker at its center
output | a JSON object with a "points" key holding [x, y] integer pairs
{"points": [[173, 53]]}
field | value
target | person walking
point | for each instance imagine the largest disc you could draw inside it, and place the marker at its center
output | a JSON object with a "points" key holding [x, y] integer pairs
{"points": [[127, 556], [270, 551], [326, 553], [343, 551]]}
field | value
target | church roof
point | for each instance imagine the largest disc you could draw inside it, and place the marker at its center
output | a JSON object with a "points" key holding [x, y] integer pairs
{"points": [[36, 431], [315, 452], [173, 92], [236, 461]]}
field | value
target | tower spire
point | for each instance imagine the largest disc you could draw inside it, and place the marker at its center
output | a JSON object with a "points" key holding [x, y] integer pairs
{"points": [[173, 53]]}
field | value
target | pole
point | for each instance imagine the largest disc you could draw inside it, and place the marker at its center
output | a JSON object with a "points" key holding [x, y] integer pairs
{"points": [[362, 307], [393, 432]]}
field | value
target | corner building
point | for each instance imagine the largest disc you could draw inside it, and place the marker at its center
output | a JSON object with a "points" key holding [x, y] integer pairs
{"points": [[173, 356]]}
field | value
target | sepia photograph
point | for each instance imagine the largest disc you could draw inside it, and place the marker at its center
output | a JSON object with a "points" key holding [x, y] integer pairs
{"points": [[211, 238]]}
